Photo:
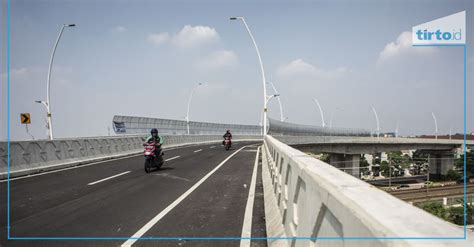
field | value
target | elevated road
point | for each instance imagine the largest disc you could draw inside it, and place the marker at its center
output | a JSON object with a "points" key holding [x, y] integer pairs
{"points": [[201, 191]]}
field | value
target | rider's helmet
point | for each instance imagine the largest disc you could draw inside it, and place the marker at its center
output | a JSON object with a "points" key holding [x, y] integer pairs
{"points": [[154, 132], [228, 131]]}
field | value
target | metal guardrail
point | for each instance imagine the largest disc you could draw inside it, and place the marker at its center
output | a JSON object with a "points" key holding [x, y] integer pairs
{"points": [[305, 197], [142, 125], [277, 127], [27, 157]]}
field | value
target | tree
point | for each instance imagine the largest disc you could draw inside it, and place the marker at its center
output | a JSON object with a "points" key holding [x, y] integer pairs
{"points": [[384, 168], [453, 175], [363, 161], [364, 164], [435, 208], [419, 160], [324, 158], [452, 214], [456, 214], [459, 163], [398, 159]]}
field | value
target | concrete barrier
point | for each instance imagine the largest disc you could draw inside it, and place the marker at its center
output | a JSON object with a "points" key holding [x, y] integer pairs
{"points": [[29, 157], [307, 198]]}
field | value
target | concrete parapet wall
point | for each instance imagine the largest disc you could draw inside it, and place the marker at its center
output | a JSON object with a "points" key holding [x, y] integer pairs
{"points": [[317, 200]]}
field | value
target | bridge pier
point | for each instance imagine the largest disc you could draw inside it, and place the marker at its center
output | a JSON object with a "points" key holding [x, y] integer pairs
{"points": [[349, 163], [440, 162]]}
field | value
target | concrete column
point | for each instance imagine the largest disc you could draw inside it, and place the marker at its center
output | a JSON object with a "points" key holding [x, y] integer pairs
{"points": [[337, 160], [441, 162], [447, 163], [353, 162], [349, 163]]}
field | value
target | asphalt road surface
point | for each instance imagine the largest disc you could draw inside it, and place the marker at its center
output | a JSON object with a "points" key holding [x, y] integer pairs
{"points": [[201, 192]]}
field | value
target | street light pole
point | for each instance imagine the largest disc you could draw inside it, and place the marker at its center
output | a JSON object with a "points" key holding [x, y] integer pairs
{"points": [[450, 131], [46, 120], [189, 105], [263, 74], [377, 120], [436, 125], [279, 102], [268, 99], [48, 102], [320, 112], [396, 128]]}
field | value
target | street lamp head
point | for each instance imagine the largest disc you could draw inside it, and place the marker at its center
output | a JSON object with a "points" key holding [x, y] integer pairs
{"points": [[38, 101], [233, 18], [276, 95], [71, 25]]}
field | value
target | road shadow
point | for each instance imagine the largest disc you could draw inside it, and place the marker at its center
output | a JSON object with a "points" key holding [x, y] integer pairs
{"points": [[164, 169]]}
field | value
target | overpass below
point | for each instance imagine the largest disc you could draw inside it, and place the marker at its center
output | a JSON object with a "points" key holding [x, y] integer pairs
{"points": [[345, 152]]}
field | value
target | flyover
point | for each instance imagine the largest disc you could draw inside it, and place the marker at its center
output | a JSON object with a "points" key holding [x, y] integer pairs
{"points": [[268, 191], [345, 151]]}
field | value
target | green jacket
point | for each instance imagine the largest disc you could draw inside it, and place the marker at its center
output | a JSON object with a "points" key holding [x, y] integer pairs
{"points": [[150, 138]]}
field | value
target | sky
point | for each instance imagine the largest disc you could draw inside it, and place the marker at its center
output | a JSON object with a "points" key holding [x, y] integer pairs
{"points": [[143, 58]]}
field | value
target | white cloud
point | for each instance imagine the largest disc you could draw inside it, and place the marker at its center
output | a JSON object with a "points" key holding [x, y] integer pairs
{"points": [[159, 38], [191, 36], [301, 68], [219, 59], [28, 75], [401, 46], [188, 37], [18, 72], [120, 29], [21, 73]]}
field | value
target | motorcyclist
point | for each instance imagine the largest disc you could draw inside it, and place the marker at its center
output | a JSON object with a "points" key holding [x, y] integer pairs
{"points": [[227, 135], [154, 137]]}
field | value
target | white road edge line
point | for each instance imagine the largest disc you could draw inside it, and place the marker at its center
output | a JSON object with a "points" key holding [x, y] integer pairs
{"points": [[212, 146], [170, 207], [199, 150], [104, 179], [175, 157], [247, 225]]}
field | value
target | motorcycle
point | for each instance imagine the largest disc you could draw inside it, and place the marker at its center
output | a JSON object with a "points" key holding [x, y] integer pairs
{"points": [[227, 143], [152, 160]]}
